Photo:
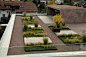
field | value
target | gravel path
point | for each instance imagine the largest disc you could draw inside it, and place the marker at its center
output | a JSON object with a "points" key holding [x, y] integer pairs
{"points": [[51, 34], [17, 35], [78, 28]]}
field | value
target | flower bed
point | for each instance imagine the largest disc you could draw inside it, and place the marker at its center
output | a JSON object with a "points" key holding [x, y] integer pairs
{"points": [[39, 47], [70, 38]]}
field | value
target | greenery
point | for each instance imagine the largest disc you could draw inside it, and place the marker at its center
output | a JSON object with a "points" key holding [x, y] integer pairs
{"points": [[51, 2], [84, 38], [36, 24], [28, 21], [34, 32], [71, 2], [45, 41], [63, 24], [24, 14], [61, 27], [25, 27], [58, 20], [39, 48], [70, 38], [31, 17]]}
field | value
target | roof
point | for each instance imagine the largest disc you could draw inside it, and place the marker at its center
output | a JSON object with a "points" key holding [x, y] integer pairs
{"points": [[64, 7], [23, 6]]}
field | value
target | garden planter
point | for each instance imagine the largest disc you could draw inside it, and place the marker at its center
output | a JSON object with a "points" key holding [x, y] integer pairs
{"points": [[56, 29]]}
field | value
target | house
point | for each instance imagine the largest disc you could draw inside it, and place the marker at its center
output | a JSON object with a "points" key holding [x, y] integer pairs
{"points": [[9, 7]]}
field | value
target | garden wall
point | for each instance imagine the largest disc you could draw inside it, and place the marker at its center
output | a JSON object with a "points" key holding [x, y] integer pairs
{"points": [[74, 15]]}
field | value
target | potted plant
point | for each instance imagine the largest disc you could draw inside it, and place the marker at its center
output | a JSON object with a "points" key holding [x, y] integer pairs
{"points": [[58, 20]]}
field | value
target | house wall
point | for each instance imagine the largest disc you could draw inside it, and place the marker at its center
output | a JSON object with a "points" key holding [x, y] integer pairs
{"points": [[5, 12]]}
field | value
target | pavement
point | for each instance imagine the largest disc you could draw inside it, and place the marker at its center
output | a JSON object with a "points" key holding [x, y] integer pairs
{"points": [[65, 32], [33, 26], [78, 28], [36, 39], [46, 19]]}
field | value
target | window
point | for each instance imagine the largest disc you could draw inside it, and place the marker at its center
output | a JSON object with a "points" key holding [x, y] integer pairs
{"points": [[7, 6], [3, 0], [10, 0]]}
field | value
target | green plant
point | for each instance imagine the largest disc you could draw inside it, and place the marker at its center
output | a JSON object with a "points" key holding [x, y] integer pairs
{"points": [[58, 26], [31, 17], [27, 44], [45, 41], [25, 27], [39, 43], [63, 24], [24, 14], [84, 38], [36, 24]]}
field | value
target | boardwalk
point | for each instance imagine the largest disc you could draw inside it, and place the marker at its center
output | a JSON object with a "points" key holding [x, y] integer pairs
{"points": [[51, 34]]}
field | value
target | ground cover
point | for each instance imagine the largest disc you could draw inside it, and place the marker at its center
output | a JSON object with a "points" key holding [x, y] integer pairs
{"points": [[71, 38], [61, 27], [35, 31]]}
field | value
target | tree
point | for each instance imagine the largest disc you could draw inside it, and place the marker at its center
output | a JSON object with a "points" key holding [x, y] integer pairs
{"points": [[51, 2], [58, 19], [72, 2], [35, 1]]}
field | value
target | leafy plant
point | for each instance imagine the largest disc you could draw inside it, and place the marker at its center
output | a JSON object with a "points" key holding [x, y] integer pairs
{"points": [[63, 24], [31, 17], [25, 27], [45, 41], [84, 37], [58, 19], [24, 14], [36, 24]]}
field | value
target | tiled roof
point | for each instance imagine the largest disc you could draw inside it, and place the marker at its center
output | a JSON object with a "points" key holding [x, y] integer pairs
{"points": [[24, 6], [64, 7]]}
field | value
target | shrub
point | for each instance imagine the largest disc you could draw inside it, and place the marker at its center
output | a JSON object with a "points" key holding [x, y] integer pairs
{"points": [[27, 44], [63, 24], [36, 24], [45, 41], [66, 40], [62, 35], [24, 14], [26, 19], [39, 43], [25, 27], [58, 26], [31, 17], [29, 27], [84, 38]]}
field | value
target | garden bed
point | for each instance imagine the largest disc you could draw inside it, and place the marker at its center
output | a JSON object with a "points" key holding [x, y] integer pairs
{"points": [[39, 48], [61, 28], [70, 38]]}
